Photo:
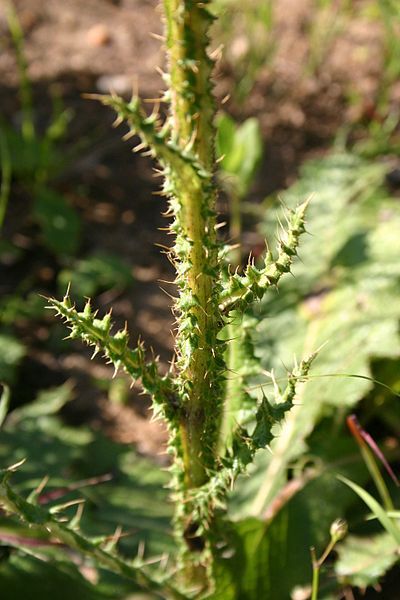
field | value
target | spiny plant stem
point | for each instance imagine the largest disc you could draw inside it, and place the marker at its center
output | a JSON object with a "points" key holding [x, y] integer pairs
{"points": [[193, 201], [209, 452]]}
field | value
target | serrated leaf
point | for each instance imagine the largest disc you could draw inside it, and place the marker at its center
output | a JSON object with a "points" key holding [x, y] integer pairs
{"points": [[364, 560], [135, 499], [300, 517], [349, 271], [62, 579]]}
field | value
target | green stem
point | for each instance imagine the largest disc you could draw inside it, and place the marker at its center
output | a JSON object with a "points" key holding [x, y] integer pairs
{"points": [[317, 564], [5, 176], [315, 580], [193, 203]]}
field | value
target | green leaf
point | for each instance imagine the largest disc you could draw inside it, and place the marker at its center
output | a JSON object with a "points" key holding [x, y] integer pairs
{"points": [[21, 575], [60, 223], [4, 403], [31, 158], [67, 532], [364, 560], [380, 513], [136, 499], [95, 273], [301, 515], [241, 147], [348, 271], [16, 306], [11, 353], [252, 561], [48, 402]]}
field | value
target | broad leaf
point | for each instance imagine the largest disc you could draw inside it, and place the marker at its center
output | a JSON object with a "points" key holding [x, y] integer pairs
{"points": [[241, 149], [11, 353], [364, 560], [95, 273], [60, 223], [348, 271]]}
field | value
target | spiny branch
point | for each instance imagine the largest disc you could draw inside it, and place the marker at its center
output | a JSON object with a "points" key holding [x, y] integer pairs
{"points": [[241, 453], [38, 517], [97, 332], [156, 138], [240, 291]]}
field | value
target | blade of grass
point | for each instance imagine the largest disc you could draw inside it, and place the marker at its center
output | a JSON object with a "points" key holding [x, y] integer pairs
{"points": [[375, 507], [4, 403], [5, 162]]}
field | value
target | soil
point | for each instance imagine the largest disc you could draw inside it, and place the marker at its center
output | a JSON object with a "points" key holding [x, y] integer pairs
{"points": [[85, 46]]}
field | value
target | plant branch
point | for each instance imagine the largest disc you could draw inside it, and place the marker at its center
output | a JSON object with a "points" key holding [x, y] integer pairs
{"points": [[199, 353], [241, 290], [96, 332], [245, 445], [39, 517]]}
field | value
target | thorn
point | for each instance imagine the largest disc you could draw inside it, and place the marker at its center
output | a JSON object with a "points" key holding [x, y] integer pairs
{"points": [[100, 97], [135, 87], [152, 100], [156, 109], [165, 281], [217, 53], [225, 99], [67, 291], [168, 294], [118, 121], [74, 522], [127, 136], [220, 225], [157, 36], [33, 496], [139, 147], [15, 466]]}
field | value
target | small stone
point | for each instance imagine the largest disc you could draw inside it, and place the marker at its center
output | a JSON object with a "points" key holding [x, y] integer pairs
{"points": [[98, 35]]}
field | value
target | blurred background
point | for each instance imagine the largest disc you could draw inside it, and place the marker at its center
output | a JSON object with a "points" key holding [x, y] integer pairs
{"points": [[309, 98]]}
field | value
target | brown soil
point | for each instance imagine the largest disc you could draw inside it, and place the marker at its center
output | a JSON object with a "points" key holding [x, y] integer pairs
{"points": [[79, 46]]}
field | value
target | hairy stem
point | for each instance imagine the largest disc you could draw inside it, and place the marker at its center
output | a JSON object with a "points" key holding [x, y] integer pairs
{"points": [[193, 203]]}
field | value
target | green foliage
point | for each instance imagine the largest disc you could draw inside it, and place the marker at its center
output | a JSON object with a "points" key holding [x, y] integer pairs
{"points": [[33, 158], [250, 40], [59, 222], [73, 458], [191, 396], [11, 354], [364, 560], [336, 296], [241, 148], [380, 513], [94, 274]]}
